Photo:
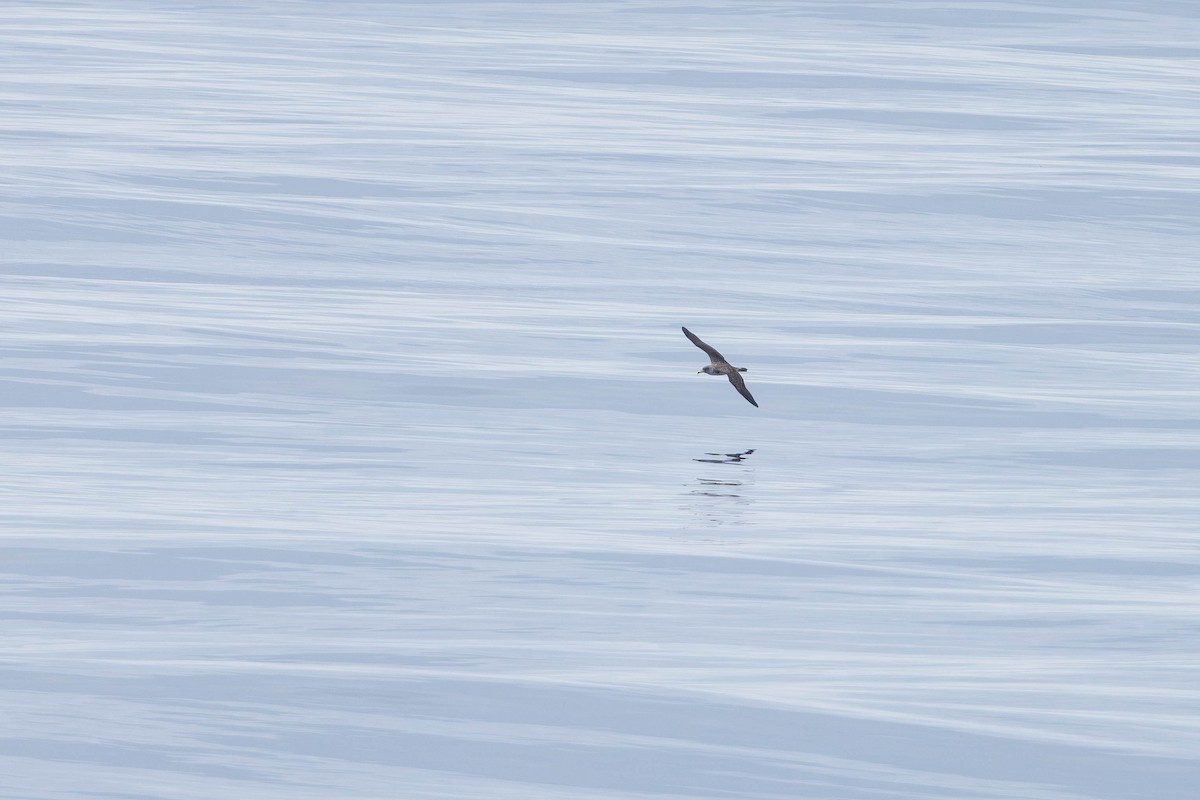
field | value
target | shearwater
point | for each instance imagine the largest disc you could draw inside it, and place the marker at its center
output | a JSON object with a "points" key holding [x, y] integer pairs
{"points": [[720, 366]]}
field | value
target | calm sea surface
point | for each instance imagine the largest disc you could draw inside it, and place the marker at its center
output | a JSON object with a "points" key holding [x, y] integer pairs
{"points": [[352, 450]]}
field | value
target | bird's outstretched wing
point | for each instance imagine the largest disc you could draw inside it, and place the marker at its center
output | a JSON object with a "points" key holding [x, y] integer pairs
{"points": [[713, 355], [738, 383]]}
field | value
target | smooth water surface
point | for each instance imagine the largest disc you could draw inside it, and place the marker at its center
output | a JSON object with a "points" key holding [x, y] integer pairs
{"points": [[352, 448]]}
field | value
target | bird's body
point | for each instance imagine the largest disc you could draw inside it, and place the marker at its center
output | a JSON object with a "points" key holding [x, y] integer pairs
{"points": [[724, 369], [720, 366]]}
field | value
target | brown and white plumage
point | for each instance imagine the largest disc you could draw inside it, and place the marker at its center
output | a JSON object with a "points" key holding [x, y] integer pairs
{"points": [[720, 366]]}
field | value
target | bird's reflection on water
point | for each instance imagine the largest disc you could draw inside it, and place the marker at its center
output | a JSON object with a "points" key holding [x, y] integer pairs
{"points": [[721, 500], [725, 458]]}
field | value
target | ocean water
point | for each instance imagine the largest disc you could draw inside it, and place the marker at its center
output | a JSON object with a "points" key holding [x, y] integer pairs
{"points": [[352, 448]]}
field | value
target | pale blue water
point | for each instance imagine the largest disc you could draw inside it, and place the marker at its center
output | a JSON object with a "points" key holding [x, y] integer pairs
{"points": [[352, 449]]}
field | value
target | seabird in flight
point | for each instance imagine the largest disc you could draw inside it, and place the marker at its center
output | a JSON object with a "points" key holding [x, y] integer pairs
{"points": [[720, 366]]}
